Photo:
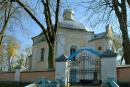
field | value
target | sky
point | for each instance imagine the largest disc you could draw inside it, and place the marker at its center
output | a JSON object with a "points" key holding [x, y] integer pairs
{"points": [[31, 29]]}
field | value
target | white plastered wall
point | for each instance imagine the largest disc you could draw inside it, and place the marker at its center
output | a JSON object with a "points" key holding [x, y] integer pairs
{"points": [[60, 70], [108, 68]]}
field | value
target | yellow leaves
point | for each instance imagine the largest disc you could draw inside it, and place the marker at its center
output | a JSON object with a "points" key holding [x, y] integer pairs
{"points": [[11, 50], [13, 46]]}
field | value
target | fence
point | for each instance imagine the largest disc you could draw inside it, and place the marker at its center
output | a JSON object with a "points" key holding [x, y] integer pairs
{"points": [[27, 76], [123, 74], [7, 76], [85, 70]]}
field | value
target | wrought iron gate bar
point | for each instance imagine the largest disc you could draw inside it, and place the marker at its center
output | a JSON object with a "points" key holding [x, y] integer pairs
{"points": [[85, 70]]}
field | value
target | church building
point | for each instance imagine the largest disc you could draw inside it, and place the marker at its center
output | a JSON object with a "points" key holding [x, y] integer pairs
{"points": [[71, 36], [81, 56]]}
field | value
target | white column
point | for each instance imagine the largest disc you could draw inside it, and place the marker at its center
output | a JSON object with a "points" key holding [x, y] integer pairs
{"points": [[17, 75]]}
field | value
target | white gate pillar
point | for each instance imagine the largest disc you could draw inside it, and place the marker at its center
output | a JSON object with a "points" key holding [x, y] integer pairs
{"points": [[108, 66], [17, 75]]}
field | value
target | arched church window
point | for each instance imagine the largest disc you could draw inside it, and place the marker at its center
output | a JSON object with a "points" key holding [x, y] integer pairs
{"points": [[73, 50], [42, 54]]}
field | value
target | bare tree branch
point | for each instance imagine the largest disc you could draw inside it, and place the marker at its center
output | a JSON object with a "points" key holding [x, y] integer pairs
{"points": [[56, 16], [128, 1], [35, 19]]}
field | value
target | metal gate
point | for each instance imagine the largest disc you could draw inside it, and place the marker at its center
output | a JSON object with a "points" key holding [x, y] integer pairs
{"points": [[85, 70]]}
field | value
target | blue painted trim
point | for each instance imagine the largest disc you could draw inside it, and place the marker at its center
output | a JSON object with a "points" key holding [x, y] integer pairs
{"points": [[97, 53]]}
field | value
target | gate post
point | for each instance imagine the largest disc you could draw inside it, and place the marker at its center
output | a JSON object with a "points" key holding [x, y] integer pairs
{"points": [[108, 66], [17, 75]]}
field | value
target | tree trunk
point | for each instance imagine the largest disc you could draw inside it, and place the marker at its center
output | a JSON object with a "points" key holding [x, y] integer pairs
{"points": [[125, 37], [122, 18], [1, 68], [51, 60], [1, 38], [9, 65], [125, 44]]}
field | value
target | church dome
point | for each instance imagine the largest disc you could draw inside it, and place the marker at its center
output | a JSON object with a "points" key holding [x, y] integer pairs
{"points": [[69, 21]]}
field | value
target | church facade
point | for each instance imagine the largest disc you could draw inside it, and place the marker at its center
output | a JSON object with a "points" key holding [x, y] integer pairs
{"points": [[71, 36]]}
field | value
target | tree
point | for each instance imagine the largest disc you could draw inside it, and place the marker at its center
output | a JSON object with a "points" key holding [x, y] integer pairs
{"points": [[20, 63], [9, 50], [1, 56], [12, 47], [28, 52], [49, 29], [7, 12], [105, 9], [122, 18]]}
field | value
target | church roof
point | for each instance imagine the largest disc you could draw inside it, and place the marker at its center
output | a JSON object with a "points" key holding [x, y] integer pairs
{"points": [[42, 33], [69, 21], [108, 53], [70, 24], [99, 36], [61, 58]]}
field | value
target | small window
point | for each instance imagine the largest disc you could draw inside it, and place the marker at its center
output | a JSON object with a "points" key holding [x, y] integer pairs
{"points": [[42, 54], [73, 50], [99, 48]]}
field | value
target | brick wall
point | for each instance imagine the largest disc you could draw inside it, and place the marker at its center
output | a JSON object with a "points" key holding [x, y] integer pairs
{"points": [[123, 74], [7, 76], [28, 76]]}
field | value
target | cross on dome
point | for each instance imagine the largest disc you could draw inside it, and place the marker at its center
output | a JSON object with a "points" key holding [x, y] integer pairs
{"points": [[68, 4]]}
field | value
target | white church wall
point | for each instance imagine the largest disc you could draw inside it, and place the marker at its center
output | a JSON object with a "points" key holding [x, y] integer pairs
{"points": [[108, 68], [34, 56], [103, 43], [91, 45], [75, 38], [36, 63], [60, 70], [60, 44]]}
